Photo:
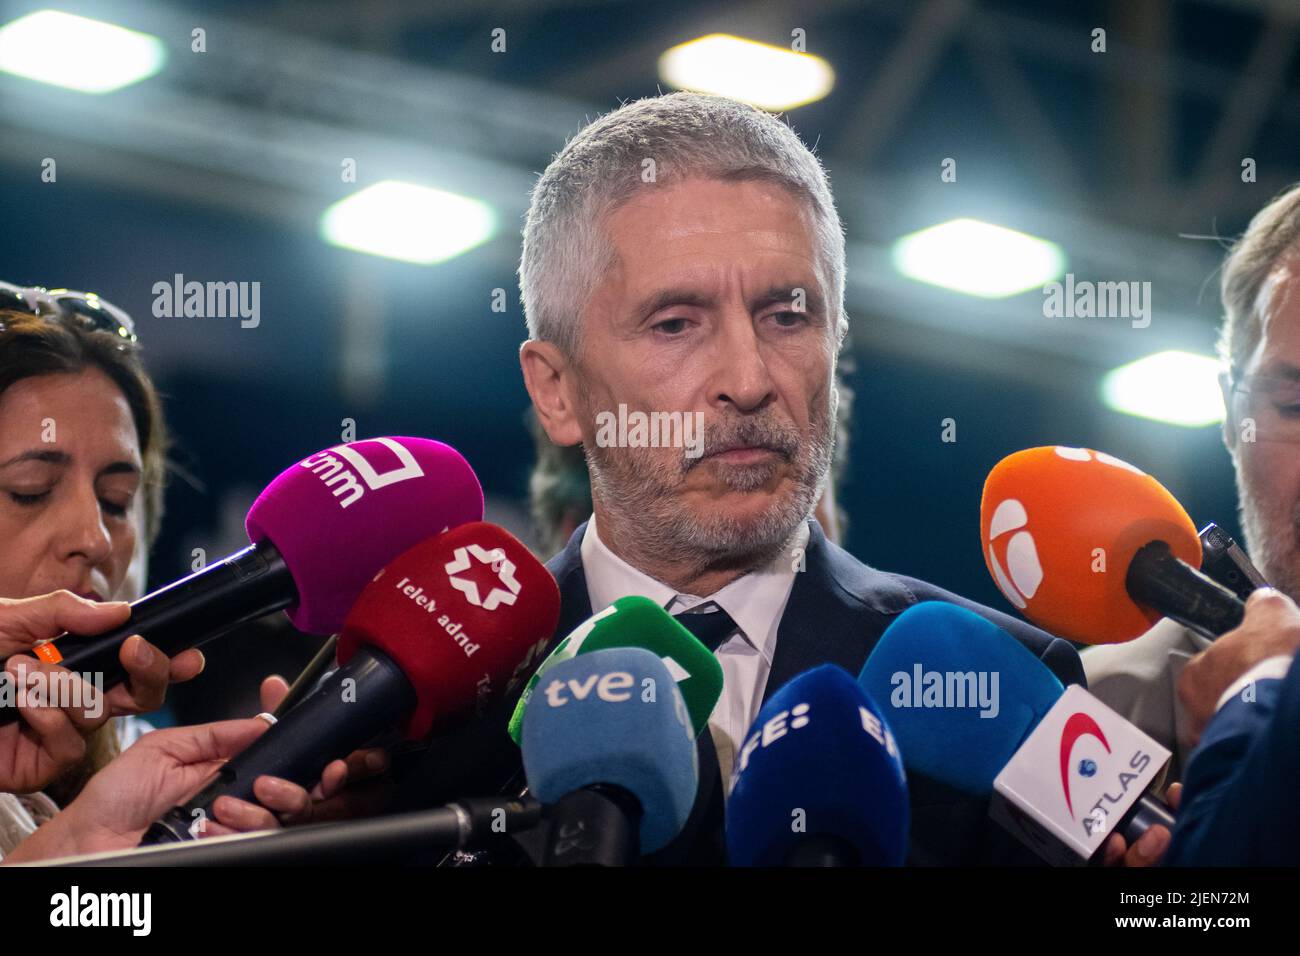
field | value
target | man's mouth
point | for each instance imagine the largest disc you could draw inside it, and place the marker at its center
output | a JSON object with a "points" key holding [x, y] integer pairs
{"points": [[745, 455]]}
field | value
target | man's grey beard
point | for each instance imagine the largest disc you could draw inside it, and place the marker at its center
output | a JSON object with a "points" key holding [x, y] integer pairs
{"points": [[1270, 539], [645, 490]]}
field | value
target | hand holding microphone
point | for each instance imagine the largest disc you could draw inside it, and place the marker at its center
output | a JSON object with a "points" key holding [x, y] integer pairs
{"points": [[1271, 628], [319, 532], [119, 803], [348, 787], [433, 639], [51, 738]]}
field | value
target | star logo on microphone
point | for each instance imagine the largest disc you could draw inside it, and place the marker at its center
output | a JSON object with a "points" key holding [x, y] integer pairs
{"points": [[497, 561]]}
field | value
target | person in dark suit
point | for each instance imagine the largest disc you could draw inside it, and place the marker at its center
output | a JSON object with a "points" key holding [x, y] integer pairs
{"points": [[837, 609], [1238, 800], [683, 283], [1238, 804]]}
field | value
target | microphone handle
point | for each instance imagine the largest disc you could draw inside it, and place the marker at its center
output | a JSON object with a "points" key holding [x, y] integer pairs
{"points": [[822, 849], [1177, 590], [361, 699], [1148, 811], [305, 681], [184, 614], [1224, 561], [598, 825], [395, 838]]}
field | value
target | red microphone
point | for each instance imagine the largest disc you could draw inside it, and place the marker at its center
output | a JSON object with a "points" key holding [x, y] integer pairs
{"points": [[434, 638], [1092, 548], [464, 614]]}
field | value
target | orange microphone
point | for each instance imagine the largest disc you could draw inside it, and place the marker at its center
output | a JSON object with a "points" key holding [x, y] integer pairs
{"points": [[1095, 550]]}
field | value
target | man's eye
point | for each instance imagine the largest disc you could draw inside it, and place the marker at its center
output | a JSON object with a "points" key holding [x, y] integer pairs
{"points": [[1286, 401], [790, 319], [671, 326], [29, 500], [116, 510]]}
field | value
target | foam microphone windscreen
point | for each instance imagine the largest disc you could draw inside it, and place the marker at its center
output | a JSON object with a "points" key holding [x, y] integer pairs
{"points": [[1058, 528], [819, 754], [960, 693], [461, 614], [341, 514], [614, 717], [636, 621]]}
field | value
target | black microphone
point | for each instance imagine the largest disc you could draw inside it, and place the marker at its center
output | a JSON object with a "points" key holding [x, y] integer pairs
{"points": [[1158, 579], [304, 741], [1225, 561], [400, 662]]}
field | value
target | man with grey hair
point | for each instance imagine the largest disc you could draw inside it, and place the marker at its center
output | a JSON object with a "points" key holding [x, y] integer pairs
{"points": [[1168, 681], [683, 256]]}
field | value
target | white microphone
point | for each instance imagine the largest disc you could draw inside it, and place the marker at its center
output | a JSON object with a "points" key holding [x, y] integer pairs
{"points": [[1082, 774]]}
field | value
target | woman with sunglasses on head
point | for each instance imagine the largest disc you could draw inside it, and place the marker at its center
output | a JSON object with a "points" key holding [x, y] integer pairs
{"points": [[82, 446]]}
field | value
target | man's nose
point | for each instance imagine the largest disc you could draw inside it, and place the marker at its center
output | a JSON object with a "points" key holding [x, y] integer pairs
{"points": [[81, 531], [741, 377]]}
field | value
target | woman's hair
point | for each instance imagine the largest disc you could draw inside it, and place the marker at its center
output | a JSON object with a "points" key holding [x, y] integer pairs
{"points": [[32, 345]]}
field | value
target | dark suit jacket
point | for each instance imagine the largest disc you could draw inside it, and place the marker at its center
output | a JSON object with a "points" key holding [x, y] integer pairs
{"points": [[837, 610], [1238, 806]]}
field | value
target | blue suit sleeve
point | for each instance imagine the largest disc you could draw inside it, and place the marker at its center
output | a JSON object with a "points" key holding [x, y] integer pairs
{"points": [[1241, 783]]}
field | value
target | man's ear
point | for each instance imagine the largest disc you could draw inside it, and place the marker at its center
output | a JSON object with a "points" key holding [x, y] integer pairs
{"points": [[548, 376], [1229, 426]]}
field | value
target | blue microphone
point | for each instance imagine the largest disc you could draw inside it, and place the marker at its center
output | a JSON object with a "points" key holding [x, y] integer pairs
{"points": [[819, 780], [607, 742], [959, 692], [974, 710]]}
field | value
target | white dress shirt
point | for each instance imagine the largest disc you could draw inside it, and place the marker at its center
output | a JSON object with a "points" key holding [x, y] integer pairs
{"points": [[1271, 668], [755, 602]]}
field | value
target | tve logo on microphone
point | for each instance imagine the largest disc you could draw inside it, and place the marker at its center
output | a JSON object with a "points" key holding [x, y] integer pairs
{"points": [[330, 467], [615, 688]]}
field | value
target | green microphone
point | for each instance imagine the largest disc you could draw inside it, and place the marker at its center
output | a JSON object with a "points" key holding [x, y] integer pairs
{"points": [[637, 621]]}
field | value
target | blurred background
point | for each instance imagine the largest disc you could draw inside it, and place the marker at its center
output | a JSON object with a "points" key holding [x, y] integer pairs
{"points": [[368, 163]]}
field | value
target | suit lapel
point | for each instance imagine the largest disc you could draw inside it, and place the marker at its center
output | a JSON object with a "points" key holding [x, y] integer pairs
{"points": [[566, 568], [823, 621]]}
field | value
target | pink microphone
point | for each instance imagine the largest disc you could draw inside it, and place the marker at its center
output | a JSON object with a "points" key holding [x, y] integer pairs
{"points": [[319, 532]]}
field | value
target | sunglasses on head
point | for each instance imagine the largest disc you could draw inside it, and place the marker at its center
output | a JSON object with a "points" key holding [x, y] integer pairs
{"points": [[83, 308]]}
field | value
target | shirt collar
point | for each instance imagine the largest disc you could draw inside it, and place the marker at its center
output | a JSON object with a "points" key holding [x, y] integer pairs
{"points": [[755, 600]]}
